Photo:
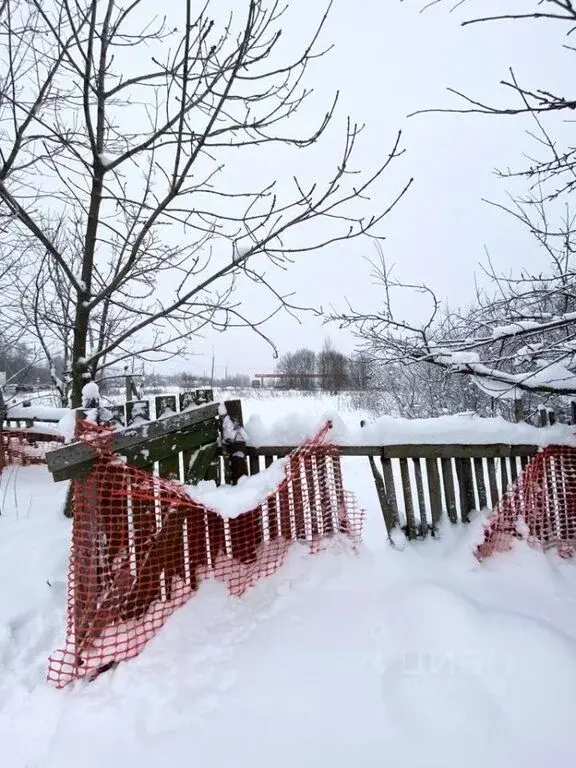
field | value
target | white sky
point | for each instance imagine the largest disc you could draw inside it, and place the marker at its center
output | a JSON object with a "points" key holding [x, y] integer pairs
{"points": [[389, 60]]}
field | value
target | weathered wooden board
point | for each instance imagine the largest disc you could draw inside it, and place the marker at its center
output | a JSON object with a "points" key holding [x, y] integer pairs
{"points": [[414, 451], [75, 459]]}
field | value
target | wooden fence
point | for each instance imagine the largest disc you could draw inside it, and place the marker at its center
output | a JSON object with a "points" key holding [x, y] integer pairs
{"points": [[417, 485]]}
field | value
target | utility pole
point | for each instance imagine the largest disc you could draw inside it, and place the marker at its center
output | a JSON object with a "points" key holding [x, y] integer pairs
{"points": [[212, 374]]}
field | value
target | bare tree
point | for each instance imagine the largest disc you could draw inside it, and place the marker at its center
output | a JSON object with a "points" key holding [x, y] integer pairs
{"points": [[297, 368], [334, 368], [519, 337], [554, 172], [116, 133]]}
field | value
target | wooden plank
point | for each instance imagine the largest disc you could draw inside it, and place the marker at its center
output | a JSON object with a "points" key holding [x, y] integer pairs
{"points": [[273, 529], [254, 463], [503, 475], [466, 488], [187, 400], [421, 500], [513, 469], [201, 466], [413, 451], [194, 398], [411, 530], [329, 511], [169, 446], [494, 495], [164, 405], [204, 396], [234, 453], [77, 454], [113, 415], [448, 483], [480, 483], [313, 505], [168, 467], [390, 488], [434, 491], [137, 411], [387, 512]]}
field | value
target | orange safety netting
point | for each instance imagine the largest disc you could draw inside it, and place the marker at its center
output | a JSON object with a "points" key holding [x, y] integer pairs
{"points": [[141, 546], [26, 446], [540, 507]]}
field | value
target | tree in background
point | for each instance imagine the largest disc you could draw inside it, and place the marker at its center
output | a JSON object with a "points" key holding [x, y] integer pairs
{"points": [[296, 368], [554, 173], [116, 131], [334, 368], [518, 342], [360, 373]]}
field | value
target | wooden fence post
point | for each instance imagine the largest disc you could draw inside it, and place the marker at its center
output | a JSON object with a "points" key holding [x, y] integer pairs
{"points": [[387, 511], [233, 443], [542, 416]]}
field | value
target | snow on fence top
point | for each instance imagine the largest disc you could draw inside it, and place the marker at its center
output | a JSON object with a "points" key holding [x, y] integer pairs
{"points": [[35, 413], [231, 501], [461, 429]]}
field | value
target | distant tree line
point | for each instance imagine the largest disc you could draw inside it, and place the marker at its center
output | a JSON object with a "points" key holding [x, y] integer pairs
{"points": [[22, 368], [328, 370]]}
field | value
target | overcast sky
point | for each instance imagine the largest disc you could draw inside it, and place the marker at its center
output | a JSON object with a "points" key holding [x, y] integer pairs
{"points": [[389, 60]]}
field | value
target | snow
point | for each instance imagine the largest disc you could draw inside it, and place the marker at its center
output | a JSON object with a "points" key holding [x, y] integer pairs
{"points": [[512, 329], [293, 428], [67, 425], [412, 658], [494, 388], [464, 357], [106, 159], [35, 412], [90, 394], [231, 501], [497, 383], [232, 432]]}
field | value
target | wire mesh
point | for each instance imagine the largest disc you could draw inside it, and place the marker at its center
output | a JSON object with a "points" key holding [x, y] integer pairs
{"points": [[141, 546], [540, 507]]}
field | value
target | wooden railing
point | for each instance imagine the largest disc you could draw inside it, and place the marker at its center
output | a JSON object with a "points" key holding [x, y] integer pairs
{"points": [[418, 484]]}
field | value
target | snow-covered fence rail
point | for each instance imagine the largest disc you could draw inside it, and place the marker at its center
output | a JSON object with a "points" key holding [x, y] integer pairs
{"points": [[29, 416], [417, 484], [180, 446]]}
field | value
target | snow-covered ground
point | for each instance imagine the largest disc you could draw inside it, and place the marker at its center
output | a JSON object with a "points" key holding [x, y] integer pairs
{"points": [[418, 658]]}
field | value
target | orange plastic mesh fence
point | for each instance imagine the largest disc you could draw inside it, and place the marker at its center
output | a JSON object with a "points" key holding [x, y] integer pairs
{"points": [[540, 507], [141, 546], [26, 447]]}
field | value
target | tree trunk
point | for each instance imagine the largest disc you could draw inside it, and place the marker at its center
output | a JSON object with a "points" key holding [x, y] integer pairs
{"points": [[79, 368]]}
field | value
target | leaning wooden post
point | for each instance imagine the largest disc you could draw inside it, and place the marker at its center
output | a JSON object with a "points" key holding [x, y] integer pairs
{"points": [[387, 511], [542, 416], [233, 442]]}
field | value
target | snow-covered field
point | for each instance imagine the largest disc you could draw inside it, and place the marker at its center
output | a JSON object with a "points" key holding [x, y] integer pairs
{"points": [[411, 659]]}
